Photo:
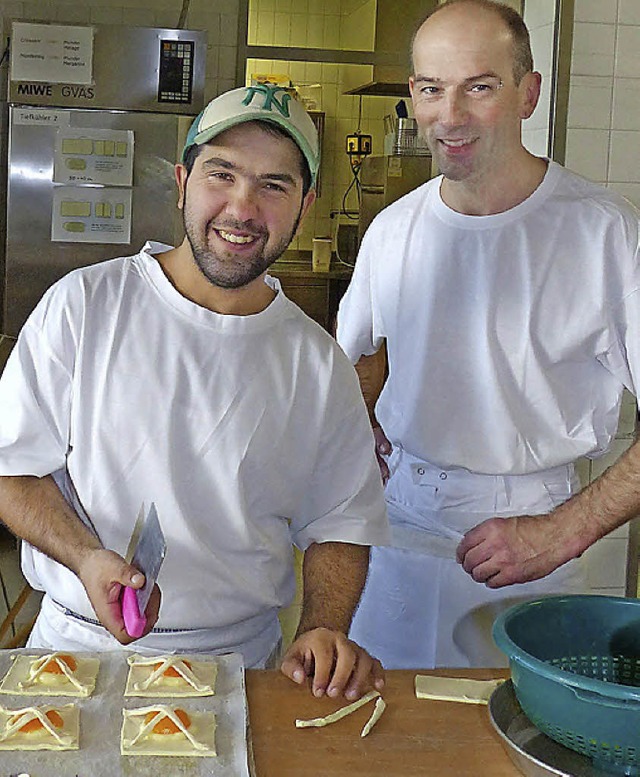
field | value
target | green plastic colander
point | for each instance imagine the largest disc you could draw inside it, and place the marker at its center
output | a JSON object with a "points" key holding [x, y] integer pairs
{"points": [[575, 667]]}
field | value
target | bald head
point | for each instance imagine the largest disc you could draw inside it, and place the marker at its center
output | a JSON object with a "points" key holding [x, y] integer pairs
{"points": [[470, 12]]}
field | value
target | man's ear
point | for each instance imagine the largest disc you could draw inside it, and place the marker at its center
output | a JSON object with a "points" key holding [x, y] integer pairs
{"points": [[530, 93], [309, 199], [180, 172]]}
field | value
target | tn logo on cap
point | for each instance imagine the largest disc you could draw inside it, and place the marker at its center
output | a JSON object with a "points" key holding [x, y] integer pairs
{"points": [[271, 101]]}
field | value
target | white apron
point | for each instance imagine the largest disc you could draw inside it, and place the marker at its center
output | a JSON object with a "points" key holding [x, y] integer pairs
{"points": [[420, 609]]}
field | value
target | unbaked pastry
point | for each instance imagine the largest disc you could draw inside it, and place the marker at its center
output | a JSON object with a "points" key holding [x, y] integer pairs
{"points": [[40, 728], [340, 713], [166, 730], [170, 676], [54, 674], [455, 689]]}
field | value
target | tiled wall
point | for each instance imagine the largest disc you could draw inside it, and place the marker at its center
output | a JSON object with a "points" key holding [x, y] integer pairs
{"points": [[322, 24], [344, 114], [539, 16], [603, 144], [329, 24], [220, 19], [603, 135]]}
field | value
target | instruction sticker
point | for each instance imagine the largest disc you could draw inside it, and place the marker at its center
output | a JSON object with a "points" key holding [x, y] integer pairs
{"points": [[94, 156], [88, 214], [55, 53]]}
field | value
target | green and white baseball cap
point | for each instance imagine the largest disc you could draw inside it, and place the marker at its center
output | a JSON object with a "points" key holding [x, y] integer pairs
{"points": [[264, 102]]}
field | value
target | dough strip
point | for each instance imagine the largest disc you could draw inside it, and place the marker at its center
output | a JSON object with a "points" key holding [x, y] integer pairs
{"points": [[338, 714]]}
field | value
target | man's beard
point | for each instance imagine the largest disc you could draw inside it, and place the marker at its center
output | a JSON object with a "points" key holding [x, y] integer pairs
{"points": [[233, 272]]}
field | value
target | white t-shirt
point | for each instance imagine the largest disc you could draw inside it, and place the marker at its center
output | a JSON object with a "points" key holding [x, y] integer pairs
{"points": [[509, 337], [248, 433]]}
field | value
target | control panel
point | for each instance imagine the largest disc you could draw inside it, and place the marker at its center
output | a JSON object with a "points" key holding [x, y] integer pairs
{"points": [[175, 78]]}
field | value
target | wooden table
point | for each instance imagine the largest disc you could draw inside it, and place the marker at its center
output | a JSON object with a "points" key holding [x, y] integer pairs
{"points": [[413, 737]]}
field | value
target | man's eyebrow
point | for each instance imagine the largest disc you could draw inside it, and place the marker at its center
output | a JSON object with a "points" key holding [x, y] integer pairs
{"points": [[429, 79], [284, 177], [220, 162]]}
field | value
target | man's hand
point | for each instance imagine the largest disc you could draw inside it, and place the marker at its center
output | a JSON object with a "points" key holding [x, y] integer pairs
{"points": [[383, 448], [103, 573], [504, 551], [335, 663]]}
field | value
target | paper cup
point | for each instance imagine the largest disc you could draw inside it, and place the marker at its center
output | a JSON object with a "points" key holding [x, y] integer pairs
{"points": [[321, 254]]}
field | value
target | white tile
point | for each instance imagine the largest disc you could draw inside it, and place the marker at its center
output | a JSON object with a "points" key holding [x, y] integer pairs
{"points": [[628, 12], [282, 30], [539, 12], [330, 73], [626, 104], [587, 152], [77, 14], [296, 71], [228, 28], [590, 102], [627, 62], [595, 11], [622, 532], [315, 32], [542, 49], [313, 72], [540, 119], [536, 141], [299, 32], [213, 30], [607, 563], [599, 465], [628, 415], [583, 470], [593, 49], [624, 157], [226, 61], [631, 191], [105, 15], [265, 28]]}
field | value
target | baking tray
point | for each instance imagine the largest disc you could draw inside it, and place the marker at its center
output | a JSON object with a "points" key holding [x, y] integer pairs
{"points": [[534, 753], [101, 721]]}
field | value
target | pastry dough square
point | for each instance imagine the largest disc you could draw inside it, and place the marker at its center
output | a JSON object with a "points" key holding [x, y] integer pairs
{"points": [[141, 668], [17, 680], [42, 739], [202, 730], [455, 689]]}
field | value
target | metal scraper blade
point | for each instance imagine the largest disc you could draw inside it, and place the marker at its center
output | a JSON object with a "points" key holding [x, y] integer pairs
{"points": [[149, 555]]}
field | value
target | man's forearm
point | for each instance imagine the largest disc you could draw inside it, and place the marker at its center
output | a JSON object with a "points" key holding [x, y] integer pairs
{"points": [[334, 574], [371, 374], [610, 501], [35, 510]]}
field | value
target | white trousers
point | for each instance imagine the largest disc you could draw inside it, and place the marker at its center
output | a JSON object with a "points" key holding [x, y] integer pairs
{"points": [[420, 609]]}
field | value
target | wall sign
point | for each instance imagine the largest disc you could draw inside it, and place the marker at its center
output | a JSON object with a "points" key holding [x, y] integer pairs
{"points": [[51, 52]]}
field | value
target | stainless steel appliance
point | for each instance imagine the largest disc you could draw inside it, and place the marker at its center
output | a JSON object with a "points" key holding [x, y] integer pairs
{"points": [[94, 121], [384, 179]]}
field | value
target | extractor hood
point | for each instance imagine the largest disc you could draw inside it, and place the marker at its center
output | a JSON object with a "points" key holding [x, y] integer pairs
{"points": [[395, 25]]}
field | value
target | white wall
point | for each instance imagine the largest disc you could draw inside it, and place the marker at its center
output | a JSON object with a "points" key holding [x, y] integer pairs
{"points": [[603, 136], [539, 16], [603, 144]]}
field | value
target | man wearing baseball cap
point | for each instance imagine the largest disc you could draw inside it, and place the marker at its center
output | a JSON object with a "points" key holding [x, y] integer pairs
{"points": [[184, 377]]}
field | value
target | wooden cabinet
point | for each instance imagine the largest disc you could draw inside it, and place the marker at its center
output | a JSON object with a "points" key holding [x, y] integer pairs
{"points": [[318, 294]]}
